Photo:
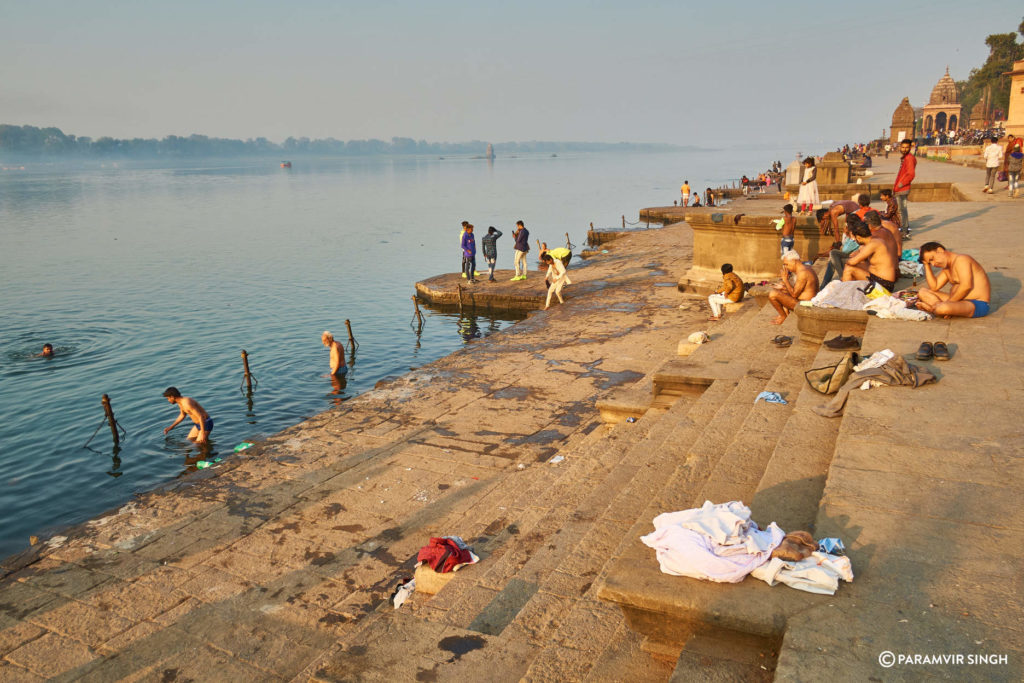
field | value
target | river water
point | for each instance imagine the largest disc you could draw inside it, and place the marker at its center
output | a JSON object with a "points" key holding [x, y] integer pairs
{"points": [[146, 275]]}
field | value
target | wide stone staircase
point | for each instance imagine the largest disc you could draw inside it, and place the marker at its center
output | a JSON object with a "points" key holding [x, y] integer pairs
{"points": [[566, 591]]}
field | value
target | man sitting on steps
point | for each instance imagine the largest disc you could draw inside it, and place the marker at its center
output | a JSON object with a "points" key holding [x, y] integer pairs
{"points": [[785, 297], [970, 293], [876, 260]]}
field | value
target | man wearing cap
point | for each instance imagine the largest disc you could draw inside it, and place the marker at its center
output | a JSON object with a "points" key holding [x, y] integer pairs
{"points": [[784, 296], [191, 408]]}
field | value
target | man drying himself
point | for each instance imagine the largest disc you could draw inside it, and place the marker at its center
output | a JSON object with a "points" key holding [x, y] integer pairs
{"points": [[522, 247], [875, 252], [191, 408], [490, 248], [970, 292], [731, 291], [338, 366], [785, 297]]}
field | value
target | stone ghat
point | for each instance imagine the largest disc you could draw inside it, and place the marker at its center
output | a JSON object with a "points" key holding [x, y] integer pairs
{"points": [[451, 289]]}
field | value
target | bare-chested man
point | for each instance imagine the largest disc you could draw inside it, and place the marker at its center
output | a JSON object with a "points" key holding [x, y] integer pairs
{"points": [[877, 252], [338, 366], [876, 223], [828, 220], [970, 293], [784, 297], [190, 407]]}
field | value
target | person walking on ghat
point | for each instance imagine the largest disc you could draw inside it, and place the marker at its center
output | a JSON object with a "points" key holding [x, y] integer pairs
{"points": [[993, 161], [808, 195], [555, 278], [189, 407], [522, 247], [490, 249], [338, 366]]}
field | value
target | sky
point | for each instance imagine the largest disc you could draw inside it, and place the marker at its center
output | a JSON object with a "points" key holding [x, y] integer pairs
{"points": [[709, 73]]}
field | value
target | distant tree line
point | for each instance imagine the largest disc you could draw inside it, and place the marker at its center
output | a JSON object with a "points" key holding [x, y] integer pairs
{"points": [[1004, 50], [29, 141]]}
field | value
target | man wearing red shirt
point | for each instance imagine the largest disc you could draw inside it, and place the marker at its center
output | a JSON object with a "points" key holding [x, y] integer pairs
{"points": [[905, 176]]}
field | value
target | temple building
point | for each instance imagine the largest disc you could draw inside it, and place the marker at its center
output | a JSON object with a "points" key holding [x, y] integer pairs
{"points": [[1015, 116], [942, 112], [902, 122]]}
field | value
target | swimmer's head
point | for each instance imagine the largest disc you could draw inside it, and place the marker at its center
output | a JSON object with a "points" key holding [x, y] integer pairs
{"points": [[172, 393], [47, 350]]}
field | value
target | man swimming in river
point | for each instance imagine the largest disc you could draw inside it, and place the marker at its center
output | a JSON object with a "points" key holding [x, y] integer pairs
{"points": [[338, 366], [970, 290], [189, 407], [47, 351]]}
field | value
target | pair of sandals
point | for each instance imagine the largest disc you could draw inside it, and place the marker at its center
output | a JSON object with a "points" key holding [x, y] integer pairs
{"points": [[928, 351], [782, 342]]}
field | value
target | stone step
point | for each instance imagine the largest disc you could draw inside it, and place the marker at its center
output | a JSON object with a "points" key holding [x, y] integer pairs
{"points": [[791, 487]]}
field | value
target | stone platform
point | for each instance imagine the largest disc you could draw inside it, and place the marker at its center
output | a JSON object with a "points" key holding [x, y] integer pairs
{"points": [[453, 290]]}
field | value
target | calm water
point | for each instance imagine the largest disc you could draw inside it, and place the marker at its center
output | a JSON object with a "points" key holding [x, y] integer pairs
{"points": [[144, 277]]}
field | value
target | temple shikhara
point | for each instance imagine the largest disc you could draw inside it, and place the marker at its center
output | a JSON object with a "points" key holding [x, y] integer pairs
{"points": [[942, 112]]}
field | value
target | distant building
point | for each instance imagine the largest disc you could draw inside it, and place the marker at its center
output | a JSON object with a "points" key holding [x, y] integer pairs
{"points": [[981, 112], [1015, 116], [942, 112], [902, 122]]}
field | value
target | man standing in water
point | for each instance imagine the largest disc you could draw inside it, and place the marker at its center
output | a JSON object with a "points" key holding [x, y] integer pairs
{"points": [[338, 366], [190, 407]]}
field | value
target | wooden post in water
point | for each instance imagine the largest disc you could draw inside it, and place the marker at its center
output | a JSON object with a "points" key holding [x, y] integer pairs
{"points": [[567, 242], [351, 339], [460, 297], [248, 375], [416, 306], [110, 419], [623, 221]]}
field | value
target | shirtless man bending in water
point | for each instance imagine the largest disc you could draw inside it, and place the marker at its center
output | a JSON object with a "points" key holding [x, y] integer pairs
{"points": [[970, 293], [338, 366], [785, 297], [190, 407]]}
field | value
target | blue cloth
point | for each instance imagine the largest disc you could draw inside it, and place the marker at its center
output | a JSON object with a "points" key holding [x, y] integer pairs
{"points": [[771, 397], [980, 308], [468, 245], [832, 546], [208, 424], [488, 244], [523, 240]]}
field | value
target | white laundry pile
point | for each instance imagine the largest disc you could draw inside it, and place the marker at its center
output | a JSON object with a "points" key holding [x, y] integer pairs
{"points": [[819, 573], [838, 294], [713, 542], [891, 307], [720, 543]]}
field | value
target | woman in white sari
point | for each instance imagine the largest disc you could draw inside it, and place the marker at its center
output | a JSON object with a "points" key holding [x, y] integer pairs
{"points": [[808, 195]]}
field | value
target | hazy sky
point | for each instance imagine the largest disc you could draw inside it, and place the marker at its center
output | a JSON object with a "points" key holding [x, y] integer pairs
{"points": [[674, 71]]}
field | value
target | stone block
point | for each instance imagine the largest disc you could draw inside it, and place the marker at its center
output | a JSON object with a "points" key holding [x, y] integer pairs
{"points": [[685, 348], [430, 582]]}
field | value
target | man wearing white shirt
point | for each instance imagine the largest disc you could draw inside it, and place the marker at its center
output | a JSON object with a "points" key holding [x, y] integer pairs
{"points": [[993, 160]]}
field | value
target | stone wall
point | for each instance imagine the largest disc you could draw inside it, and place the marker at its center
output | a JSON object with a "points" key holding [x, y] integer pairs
{"points": [[751, 246], [919, 192]]}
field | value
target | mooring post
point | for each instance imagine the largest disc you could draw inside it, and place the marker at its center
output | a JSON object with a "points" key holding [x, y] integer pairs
{"points": [[416, 306], [110, 419], [567, 242], [623, 220], [351, 339], [248, 375], [460, 297]]}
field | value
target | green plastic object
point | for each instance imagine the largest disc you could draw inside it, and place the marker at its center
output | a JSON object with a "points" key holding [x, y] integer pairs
{"points": [[203, 464], [245, 445]]}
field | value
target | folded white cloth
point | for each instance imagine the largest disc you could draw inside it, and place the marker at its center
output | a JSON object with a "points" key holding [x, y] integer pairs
{"points": [[819, 573]]}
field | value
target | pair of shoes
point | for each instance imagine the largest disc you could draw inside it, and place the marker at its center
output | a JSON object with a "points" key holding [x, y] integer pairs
{"points": [[840, 343], [782, 342], [938, 351]]}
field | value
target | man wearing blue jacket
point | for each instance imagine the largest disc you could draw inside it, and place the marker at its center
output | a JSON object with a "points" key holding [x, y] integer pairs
{"points": [[522, 246], [469, 254]]}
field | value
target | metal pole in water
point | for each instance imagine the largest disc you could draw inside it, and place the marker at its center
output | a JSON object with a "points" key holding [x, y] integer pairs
{"points": [[248, 375], [351, 339], [110, 419]]}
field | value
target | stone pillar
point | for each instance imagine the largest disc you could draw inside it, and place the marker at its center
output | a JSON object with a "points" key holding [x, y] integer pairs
{"points": [[833, 170]]}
